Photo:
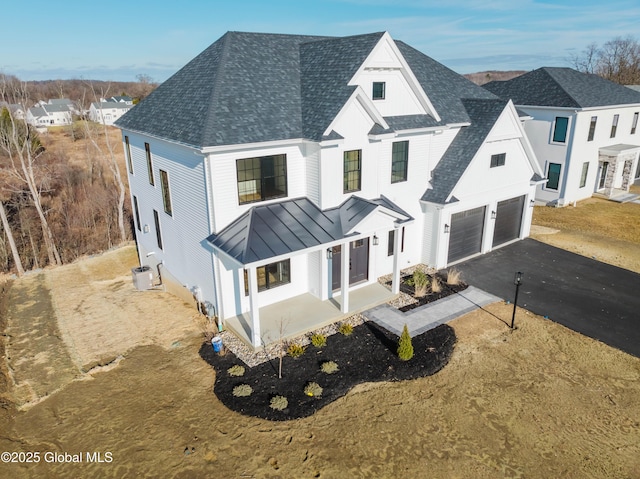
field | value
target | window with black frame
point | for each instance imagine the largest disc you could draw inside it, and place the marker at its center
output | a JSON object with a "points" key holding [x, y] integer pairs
{"points": [[399, 161], [352, 171], [270, 276], [261, 178]]}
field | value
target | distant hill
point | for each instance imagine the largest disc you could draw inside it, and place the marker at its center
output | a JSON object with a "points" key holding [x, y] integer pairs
{"points": [[481, 78]]}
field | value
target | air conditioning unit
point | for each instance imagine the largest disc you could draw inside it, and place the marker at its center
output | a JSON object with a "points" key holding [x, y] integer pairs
{"points": [[142, 278]]}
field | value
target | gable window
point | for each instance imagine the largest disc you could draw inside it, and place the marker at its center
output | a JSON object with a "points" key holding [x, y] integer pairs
{"points": [[553, 176], [498, 160], [585, 171], [128, 153], [560, 129], [270, 276], [136, 211], [378, 90], [262, 178], [399, 161], [352, 170], [634, 124], [156, 220], [614, 125], [592, 128], [147, 149], [166, 196]]}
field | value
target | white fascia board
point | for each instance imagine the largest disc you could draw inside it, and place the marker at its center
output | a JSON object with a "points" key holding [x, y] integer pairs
{"points": [[611, 107], [359, 96], [524, 139], [406, 73], [547, 108], [250, 146]]}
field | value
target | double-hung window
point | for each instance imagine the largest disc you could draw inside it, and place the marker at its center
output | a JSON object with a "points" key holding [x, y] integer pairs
{"points": [[592, 128], [399, 161], [166, 194], [147, 150], [262, 178], [352, 171], [128, 154], [560, 129], [634, 123], [585, 171], [614, 125], [156, 220]]}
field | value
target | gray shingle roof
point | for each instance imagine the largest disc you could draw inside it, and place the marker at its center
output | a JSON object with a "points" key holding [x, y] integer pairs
{"points": [[483, 115], [253, 87], [287, 226], [444, 87], [563, 87]]}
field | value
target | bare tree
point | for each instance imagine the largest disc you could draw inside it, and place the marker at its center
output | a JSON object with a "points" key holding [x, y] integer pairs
{"points": [[22, 148], [12, 242], [618, 60], [114, 167]]}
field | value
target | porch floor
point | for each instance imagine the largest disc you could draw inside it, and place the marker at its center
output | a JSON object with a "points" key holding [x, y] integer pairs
{"points": [[304, 313]]}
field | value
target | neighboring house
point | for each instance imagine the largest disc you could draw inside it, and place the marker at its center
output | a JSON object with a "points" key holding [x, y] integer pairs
{"points": [[274, 166], [65, 102], [16, 110], [108, 112], [122, 99], [49, 115], [584, 130]]}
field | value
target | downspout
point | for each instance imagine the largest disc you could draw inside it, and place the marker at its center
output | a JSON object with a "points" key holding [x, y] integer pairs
{"points": [[211, 228]]}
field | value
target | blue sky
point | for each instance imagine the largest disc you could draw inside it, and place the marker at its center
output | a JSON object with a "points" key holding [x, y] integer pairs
{"points": [[117, 40]]}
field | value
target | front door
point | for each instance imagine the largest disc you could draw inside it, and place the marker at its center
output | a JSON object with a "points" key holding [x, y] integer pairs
{"points": [[358, 263]]}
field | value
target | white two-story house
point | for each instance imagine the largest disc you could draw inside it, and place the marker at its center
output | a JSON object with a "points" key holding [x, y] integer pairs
{"points": [[584, 131], [273, 166]]}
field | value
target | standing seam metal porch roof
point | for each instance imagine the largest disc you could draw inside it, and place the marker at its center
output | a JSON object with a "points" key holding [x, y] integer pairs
{"points": [[275, 229]]}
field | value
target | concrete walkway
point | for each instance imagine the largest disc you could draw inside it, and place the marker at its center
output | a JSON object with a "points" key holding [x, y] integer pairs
{"points": [[430, 315]]}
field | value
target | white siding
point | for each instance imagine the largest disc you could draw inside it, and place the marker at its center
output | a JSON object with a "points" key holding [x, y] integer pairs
{"points": [[184, 233], [225, 180]]}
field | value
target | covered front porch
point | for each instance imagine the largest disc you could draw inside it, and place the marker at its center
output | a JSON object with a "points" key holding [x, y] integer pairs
{"points": [[301, 314], [617, 166], [304, 267]]}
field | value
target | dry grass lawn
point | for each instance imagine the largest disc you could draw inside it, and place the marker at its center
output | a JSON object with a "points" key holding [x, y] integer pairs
{"points": [[539, 402], [597, 228]]}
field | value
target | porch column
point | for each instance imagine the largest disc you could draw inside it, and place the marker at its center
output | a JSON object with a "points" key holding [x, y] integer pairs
{"points": [[344, 276], [254, 309], [395, 279]]}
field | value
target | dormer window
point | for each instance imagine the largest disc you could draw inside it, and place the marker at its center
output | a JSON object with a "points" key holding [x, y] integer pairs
{"points": [[378, 90]]}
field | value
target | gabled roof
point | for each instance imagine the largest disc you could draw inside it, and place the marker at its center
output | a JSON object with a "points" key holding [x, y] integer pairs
{"points": [[110, 105], [563, 87], [255, 87], [284, 227], [445, 176], [444, 87]]}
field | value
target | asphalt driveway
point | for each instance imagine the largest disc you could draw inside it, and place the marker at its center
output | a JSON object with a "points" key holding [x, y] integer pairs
{"points": [[593, 298]]}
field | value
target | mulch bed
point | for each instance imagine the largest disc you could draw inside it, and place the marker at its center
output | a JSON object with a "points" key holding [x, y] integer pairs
{"points": [[447, 290], [367, 355]]}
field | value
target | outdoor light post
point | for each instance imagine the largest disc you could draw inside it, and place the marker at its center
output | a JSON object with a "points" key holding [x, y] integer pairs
{"points": [[517, 281]]}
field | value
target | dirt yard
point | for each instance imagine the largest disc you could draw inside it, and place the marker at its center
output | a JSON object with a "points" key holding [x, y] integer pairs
{"points": [[540, 402]]}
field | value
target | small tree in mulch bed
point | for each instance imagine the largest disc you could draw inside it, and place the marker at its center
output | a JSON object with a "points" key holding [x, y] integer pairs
{"points": [[405, 348]]}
